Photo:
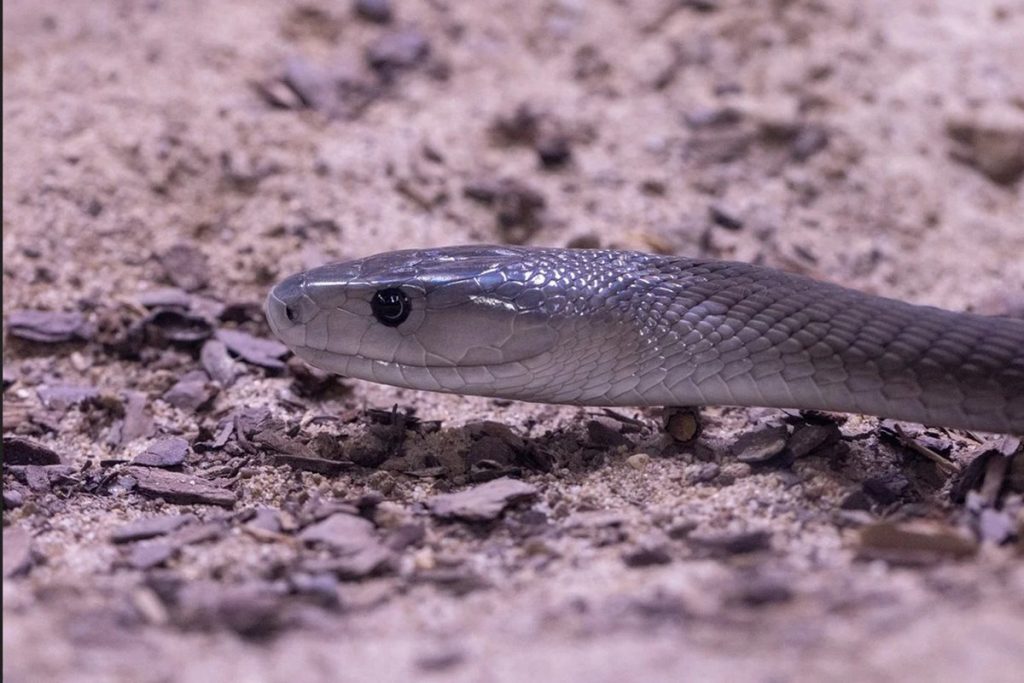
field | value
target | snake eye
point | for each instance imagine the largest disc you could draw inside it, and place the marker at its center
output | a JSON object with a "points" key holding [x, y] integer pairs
{"points": [[390, 306], [292, 314]]}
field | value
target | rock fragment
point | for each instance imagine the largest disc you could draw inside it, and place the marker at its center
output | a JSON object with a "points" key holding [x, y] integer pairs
{"points": [[48, 327], [180, 489], [170, 452], [482, 503]]}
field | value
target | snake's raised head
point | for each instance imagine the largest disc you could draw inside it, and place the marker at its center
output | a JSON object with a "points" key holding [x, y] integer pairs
{"points": [[390, 316]]}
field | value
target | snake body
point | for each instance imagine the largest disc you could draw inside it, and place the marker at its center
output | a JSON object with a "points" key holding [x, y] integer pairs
{"points": [[616, 328]]}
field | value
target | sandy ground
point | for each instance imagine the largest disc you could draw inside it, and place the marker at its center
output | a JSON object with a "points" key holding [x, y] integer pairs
{"points": [[217, 147]]}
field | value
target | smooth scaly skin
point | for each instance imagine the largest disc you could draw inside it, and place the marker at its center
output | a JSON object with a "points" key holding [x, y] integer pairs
{"points": [[625, 328]]}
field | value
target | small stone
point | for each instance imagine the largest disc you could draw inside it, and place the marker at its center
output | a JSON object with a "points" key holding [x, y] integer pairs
{"points": [[193, 392], [639, 461], [180, 489], [703, 473], [48, 327], [178, 327], [37, 479], [887, 488], [482, 503], [397, 50], [345, 533], [810, 140], [186, 267], [166, 297], [19, 451], [808, 438], [377, 11], [761, 446], [13, 498], [169, 452], [553, 150]]}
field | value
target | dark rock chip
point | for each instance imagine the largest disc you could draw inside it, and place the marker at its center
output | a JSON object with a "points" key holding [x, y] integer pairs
{"points": [[553, 150], [60, 397], [265, 353], [177, 327], [37, 479], [761, 446], [443, 659], [328, 468], [339, 91], [723, 545], [887, 488], [192, 392], [309, 381], [913, 543], [759, 591], [218, 363], [341, 532], [13, 498], [170, 452], [456, 581], [19, 451], [482, 503], [136, 422], [396, 51], [48, 327], [17, 551], [724, 218], [518, 207], [186, 267], [354, 540], [377, 11], [166, 297], [150, 527], [10, 376], [150, 554], [994, 148], [810, 140], [647, 556], [180, 489], [253, 610], [808, 438], [605, 433], [705, 473]]}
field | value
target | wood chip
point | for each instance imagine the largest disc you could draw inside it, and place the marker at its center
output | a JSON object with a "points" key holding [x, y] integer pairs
{"points": [[48, 327], [19, 451], [180, 489], [482, 503], [914, 543], [170, 452], [682, 424]]}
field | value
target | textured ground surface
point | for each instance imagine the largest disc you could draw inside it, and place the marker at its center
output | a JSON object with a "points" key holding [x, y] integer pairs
{"points": [[212, 148]]}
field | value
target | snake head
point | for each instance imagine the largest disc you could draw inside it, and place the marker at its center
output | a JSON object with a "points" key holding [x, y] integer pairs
{"points": [[453, 314]]}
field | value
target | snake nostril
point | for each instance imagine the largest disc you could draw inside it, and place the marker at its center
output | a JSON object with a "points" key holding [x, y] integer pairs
{"points": [[292, 313]]}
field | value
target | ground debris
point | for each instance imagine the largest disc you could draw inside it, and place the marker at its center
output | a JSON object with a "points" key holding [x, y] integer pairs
{"points": [[48, 327], [169, 452], [19, 451], [913, 543], [180, 489], [150, 527], [266, 353], [482, 503]]}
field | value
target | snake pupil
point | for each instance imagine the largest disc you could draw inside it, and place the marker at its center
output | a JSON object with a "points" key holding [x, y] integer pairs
{"points": [[390, 306]]}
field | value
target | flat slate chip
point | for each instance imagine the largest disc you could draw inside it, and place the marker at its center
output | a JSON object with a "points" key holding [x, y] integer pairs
{"points": [[481, 503], [19, 451], [181, 489], [169, 452], [265, 353], [48, 327]]}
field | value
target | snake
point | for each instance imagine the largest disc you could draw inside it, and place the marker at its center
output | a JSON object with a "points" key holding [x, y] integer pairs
{"points": [[624, 328]]}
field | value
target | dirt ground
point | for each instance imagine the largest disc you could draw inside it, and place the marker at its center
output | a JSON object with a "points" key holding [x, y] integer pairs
{"points": [[180, 504]]}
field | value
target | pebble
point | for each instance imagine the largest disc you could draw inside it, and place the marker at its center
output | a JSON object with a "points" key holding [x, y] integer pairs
{"points": [[639, 461], [482, 503], [761, 446]]}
